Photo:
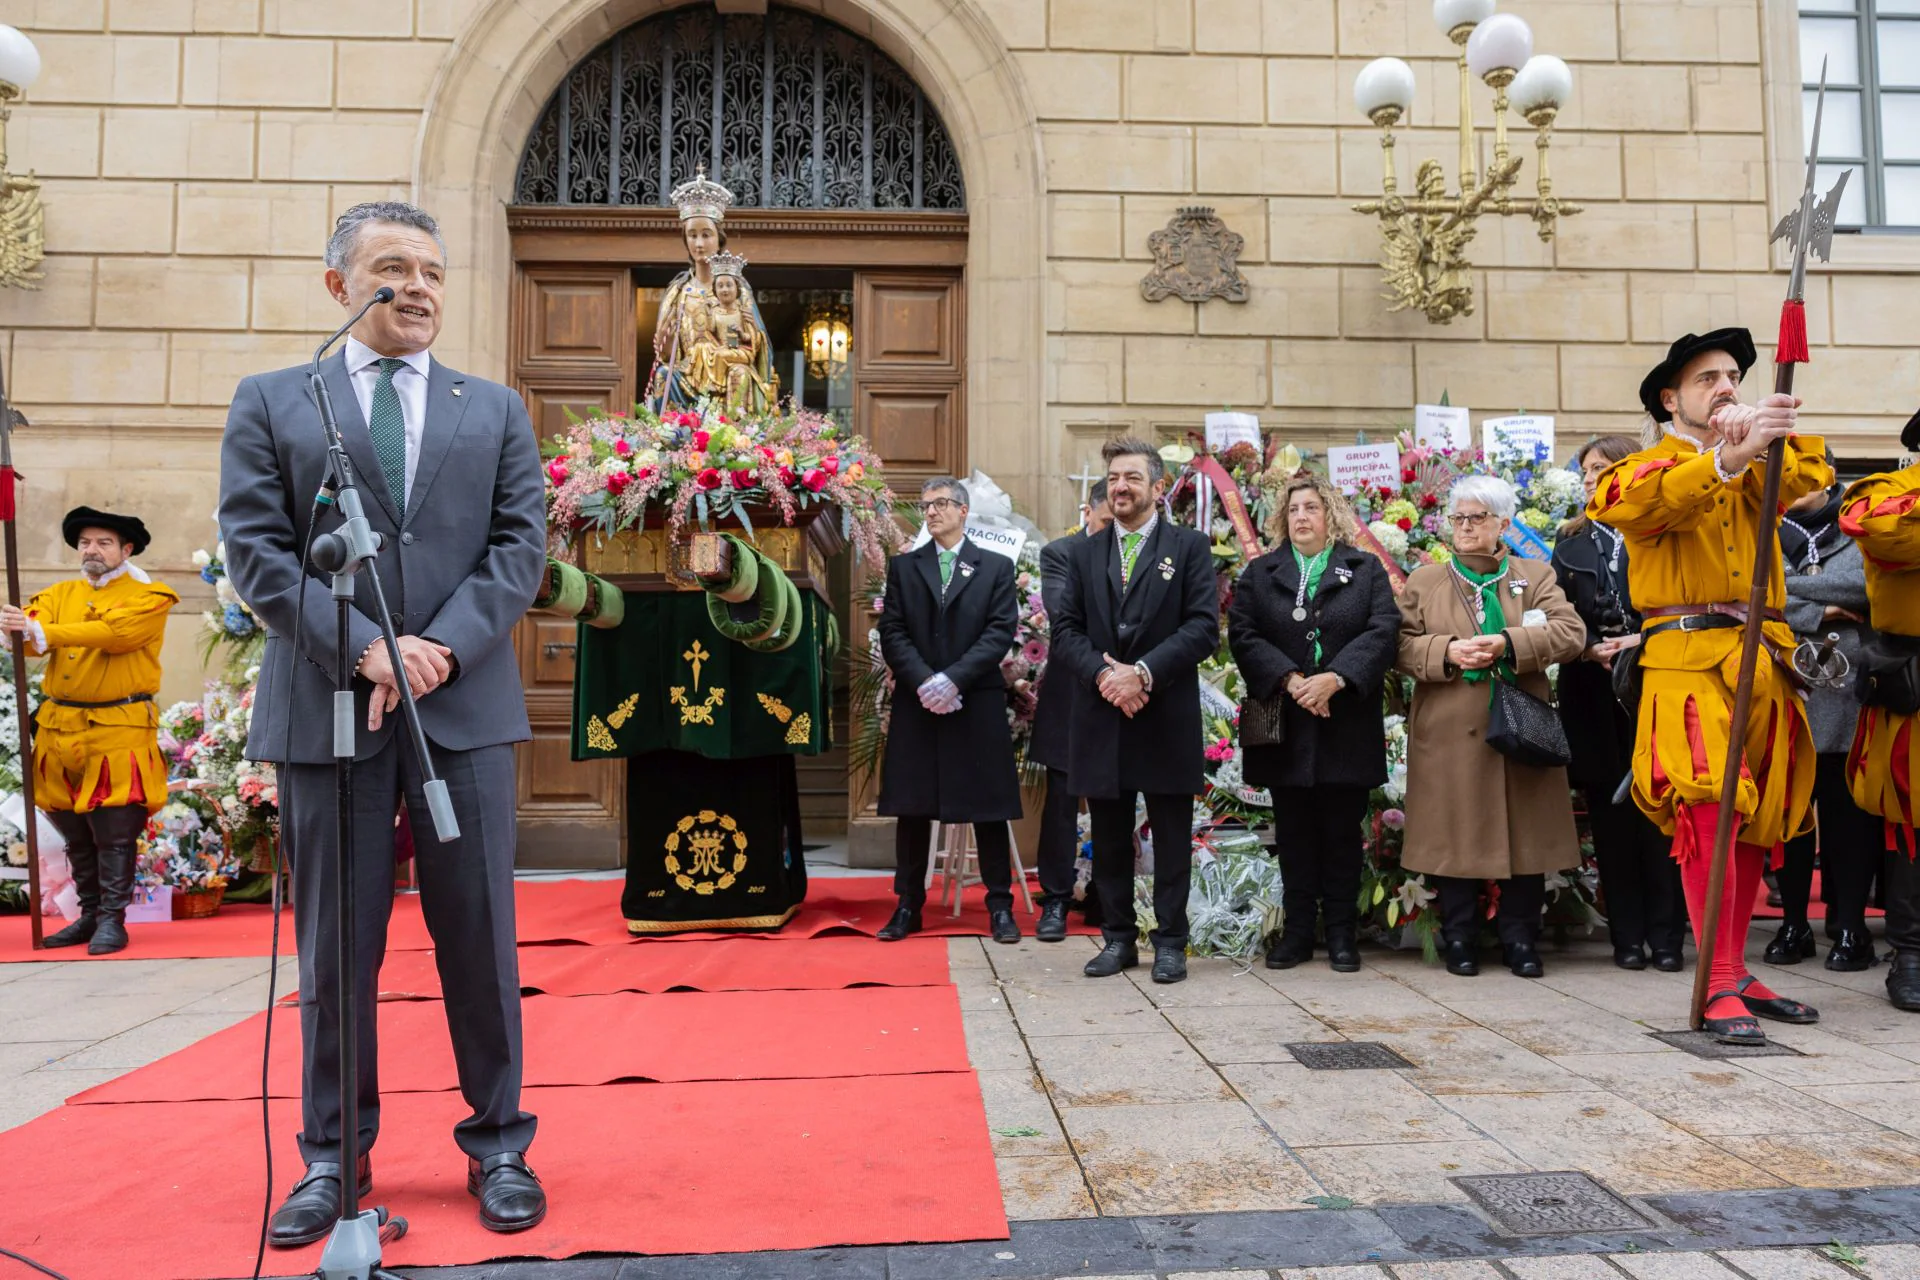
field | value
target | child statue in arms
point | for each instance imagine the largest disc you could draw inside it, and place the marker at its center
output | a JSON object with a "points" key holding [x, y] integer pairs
{"points": [[726, 348]]}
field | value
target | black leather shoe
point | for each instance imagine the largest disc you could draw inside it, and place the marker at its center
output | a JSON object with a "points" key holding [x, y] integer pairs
{"points": [[109, 934], [1113, 958], [1634, 958], [1460, 960], [1735, 1030], [1524, 961], [1053, 922], [1791, 945], [73, 935], [1170, 963], [313, 1206], [1852, 952], [1778, 1008], [1903, 981], [1003, 926], [511, 1198], [906, 920], [1289, 950], [1343, 951], [1668, 961]]}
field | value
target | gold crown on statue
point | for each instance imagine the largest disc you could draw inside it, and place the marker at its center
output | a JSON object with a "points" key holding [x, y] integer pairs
{"points": [[726, 263], [702, 198]]}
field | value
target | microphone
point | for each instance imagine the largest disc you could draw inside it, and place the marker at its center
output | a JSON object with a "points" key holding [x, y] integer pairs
{"points": [[381, 295]]}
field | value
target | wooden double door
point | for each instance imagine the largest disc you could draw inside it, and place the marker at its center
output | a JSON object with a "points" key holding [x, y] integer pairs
{"points": [[575, 346]]}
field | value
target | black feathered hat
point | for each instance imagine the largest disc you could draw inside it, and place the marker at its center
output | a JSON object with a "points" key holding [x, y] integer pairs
{"points": [[1737, 343], [1910, 435], [130, 528]]}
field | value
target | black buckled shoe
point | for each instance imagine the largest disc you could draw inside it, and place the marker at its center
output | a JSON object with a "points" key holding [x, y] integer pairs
{"points": [[511, 1198], [906, 920], [1735, 1030], [1778, 1008], [1113, 958], [1791, 945], [313, 1206], [1288, 950], [1852, 952], [1460, 960], [1343, 951], [1003, 926], [1052, 926], [1633, 958], [1668, 961], [1523, 961], [1170, 962], [1903, 981], [81, 930]]}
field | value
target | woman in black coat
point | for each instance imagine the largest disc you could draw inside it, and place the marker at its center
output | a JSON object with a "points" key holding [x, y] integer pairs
{"points": [[1313, 623], [1638, 876]]}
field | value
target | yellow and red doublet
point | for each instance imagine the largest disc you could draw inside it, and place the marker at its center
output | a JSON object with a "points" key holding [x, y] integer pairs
{"points": [[103, 647], [1691, 539], [1882, 513]]}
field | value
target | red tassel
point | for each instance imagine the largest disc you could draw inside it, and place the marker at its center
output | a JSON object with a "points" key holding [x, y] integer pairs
{"points": [[6, 493], [1792, 348]]}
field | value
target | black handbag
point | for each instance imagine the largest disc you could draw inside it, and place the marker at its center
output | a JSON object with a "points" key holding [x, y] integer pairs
{"points": [[1263, 721], [1889, 675], [1525, 729]]}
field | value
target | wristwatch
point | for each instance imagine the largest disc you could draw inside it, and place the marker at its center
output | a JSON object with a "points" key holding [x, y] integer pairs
{"points": [[1146, 676]]}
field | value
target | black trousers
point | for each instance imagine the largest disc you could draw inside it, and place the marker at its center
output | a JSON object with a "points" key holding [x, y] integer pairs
{"points": [[1638, 876], [1517, 919], [911, 855], [1059, 839], [466, 895], [1317, 839], [1900, 873], [1170, 818], [1849, 842]]}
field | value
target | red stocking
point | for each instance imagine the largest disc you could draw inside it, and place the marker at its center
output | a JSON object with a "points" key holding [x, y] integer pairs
{"points": [[1693, 847], [1750, 861]]}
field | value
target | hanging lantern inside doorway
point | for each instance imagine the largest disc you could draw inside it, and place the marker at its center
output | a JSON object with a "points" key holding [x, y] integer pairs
{"points": [[829, 337]]}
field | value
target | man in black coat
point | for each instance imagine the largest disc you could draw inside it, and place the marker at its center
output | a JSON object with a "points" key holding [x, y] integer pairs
{"points": [[1052, 717], [947, 621], [1140, 614]]}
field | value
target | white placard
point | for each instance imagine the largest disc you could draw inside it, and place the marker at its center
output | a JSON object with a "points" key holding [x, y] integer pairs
{"points": [[1442, 426], [1008, 542], [1521, 435], [1364, 466], [1225, 430]]}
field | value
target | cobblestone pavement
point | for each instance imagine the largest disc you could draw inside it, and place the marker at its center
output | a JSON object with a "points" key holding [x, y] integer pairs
{"points": [[1146, 1131]]}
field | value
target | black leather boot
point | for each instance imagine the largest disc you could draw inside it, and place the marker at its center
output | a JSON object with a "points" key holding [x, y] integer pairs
{"points": [[1290, 949], [511, 1198], [116, 834], [906, 920], [1791, 945], [313, 1206], [1903, 981], [84, 858], [1053, 922], [1114, 957], [1852, 951], [1343, 950]]}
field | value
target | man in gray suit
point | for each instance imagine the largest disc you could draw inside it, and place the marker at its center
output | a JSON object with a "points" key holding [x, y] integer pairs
{"points": [[449, 472]]}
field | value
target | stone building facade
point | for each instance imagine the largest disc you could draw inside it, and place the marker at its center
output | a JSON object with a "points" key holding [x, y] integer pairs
{"points": [[194, 153]]}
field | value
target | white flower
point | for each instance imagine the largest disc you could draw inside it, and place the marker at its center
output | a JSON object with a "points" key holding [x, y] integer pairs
{"points": [[201, 559], [1413, 894], [1392, 537], [220, 551], [223, 591]]}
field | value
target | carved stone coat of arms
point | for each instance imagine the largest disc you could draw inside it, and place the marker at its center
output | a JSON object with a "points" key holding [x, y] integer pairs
{"points": [[1195, 258]]}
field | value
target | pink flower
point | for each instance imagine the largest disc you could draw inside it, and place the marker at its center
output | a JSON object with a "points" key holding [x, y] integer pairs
{"points": [[1035, 652], [830, 465], [557, 471], [617, 482], [700, 439], [1394, 818], [787, 476], [815, 480], [622, 448]]}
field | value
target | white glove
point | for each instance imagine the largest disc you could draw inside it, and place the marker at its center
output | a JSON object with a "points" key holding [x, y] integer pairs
{"points": [[939, 695]]}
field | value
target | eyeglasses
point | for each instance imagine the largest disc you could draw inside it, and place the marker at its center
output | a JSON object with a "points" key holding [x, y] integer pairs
{"points": [[937, 505], [1473, 520]]}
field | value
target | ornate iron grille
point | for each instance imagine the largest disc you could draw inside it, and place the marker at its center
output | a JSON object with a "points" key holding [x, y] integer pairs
{"points": [[787, 109]]}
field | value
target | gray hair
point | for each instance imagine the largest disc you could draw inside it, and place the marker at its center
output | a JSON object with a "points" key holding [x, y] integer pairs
{"points": [[1491, 492], [346, 231], [951, 485]]}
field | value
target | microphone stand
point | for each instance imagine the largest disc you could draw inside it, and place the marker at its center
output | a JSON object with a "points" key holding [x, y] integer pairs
{"points": [[353, 1249]]}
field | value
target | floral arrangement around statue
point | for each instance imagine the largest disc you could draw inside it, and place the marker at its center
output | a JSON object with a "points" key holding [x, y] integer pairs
{"points": [[698, 465]]}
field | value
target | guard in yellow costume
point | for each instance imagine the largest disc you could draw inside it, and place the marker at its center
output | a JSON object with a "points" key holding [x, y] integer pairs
{"points": [[97, 768], [1882, 513], [1690, 509]]}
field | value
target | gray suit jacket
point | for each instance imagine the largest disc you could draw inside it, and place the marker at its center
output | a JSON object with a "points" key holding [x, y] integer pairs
{"points": [[459, 567]]}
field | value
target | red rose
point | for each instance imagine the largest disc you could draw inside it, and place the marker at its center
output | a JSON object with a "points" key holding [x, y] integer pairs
{"points": [[1406, 474], [557, 471], [1405, 523], [815, 480], [622, 448], [617, 482], [1429, 501], [700, 439], [787, 476], [742, 479], [830, 465], [709, 479], [645, 473], [1386, 493], [765, 453]]}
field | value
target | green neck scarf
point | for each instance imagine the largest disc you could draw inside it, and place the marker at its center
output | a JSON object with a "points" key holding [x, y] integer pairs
{"points": [[1311, 568], [1493, 619]]}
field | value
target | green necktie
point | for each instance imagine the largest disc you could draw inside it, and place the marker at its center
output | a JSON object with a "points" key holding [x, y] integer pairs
{"points": [[1129, 552], [388, 427], [946, 567]]}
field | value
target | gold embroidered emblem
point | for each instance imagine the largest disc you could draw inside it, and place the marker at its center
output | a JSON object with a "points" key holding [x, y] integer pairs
{"points": [[597, 736], [777, 709], [696, 712], [696, 656], [800, 732], [705, 836], [624, 712]]}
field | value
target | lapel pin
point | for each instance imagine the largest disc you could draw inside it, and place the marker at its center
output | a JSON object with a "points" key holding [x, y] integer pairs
{"points": [[1343, 573], [456, 391], [966, 570]]}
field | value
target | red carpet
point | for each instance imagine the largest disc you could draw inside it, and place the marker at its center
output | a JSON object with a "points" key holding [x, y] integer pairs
{"points": [[594, 1040], [693, 1168], [1816, 909], [547, 912]]}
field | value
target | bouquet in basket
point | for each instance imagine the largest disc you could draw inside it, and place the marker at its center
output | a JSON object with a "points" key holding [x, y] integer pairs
{"points": [[183, 848]]}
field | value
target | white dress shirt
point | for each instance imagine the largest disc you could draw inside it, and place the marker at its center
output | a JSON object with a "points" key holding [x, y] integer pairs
{"points": [[410, 383]]}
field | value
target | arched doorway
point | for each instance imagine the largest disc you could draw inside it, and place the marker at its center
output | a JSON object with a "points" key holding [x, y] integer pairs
{"points": [[848, 195]]}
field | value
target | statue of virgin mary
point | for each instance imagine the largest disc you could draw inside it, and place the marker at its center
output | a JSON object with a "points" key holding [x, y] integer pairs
{"points": [[678, 380]]}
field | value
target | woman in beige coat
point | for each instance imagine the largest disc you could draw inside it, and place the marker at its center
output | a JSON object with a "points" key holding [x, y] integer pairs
{"points": [[1473, 814]]}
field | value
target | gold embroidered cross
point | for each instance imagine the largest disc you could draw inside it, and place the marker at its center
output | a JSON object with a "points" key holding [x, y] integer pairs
{"points": [[696, 656]]}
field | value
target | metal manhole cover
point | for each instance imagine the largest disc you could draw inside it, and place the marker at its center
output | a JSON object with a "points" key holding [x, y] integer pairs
{"points": [[1702, 1045], [1538, 1204], [1347, 1055]]}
